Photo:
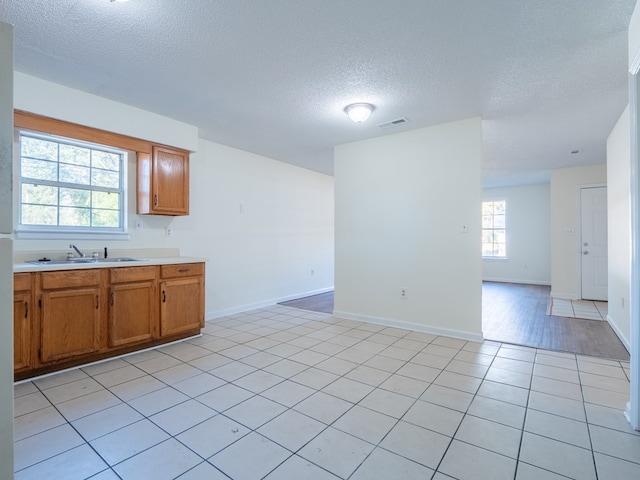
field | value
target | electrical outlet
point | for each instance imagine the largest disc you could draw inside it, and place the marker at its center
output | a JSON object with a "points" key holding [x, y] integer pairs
{"points": [[464, 228], [403, 293], [139, 224], [168, 232]]}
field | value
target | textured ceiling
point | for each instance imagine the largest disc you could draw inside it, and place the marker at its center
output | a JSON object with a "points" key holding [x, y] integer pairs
{"points": [[273, 77]]}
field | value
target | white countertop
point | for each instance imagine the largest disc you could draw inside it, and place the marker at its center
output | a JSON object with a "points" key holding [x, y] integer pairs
{"points": [[140, 262]]}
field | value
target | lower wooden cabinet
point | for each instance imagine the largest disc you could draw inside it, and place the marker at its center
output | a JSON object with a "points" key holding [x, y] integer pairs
{"points": [[182, 298], [70, 314], [22, 321], [132, 305], [69, 317]]}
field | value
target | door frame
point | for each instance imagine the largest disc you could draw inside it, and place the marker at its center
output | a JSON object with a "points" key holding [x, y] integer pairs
{"points": [[580, 188], [633, 407]]}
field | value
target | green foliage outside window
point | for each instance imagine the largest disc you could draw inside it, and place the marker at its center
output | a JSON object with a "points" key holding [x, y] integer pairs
{"points": [[494, 233], [64, 184]]}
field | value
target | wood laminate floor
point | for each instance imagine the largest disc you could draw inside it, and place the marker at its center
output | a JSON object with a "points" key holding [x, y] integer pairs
{"points": [[517, 314], [322, 303]]}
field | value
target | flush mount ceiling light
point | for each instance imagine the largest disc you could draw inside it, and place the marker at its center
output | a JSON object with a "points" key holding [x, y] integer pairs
{"points": [[359, 112], [119, 1]]}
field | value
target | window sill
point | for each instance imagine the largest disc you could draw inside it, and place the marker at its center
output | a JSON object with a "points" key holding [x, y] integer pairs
{"points": [[70, 235], [495, 259]]}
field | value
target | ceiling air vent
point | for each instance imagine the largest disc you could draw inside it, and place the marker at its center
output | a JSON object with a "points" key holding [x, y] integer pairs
{"points": [[393, 123]]}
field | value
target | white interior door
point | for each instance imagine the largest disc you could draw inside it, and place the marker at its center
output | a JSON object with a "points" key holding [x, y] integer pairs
{"points": [[593, 213]]}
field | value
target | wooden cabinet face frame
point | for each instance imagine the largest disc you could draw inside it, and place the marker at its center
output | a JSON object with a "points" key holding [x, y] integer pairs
{"points": [[83, 315]]}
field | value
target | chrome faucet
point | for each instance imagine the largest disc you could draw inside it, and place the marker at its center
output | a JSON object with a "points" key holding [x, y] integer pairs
{"points": [[77, 250]]}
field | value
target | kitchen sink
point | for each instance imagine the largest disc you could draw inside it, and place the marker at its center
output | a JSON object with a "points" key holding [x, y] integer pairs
{"points": [[63, 262], [118, 259], [75, 261]]}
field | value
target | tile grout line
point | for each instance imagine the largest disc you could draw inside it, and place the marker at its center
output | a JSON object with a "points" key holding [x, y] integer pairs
{"points": [[358, 364], [524, 419], [109, 467]]}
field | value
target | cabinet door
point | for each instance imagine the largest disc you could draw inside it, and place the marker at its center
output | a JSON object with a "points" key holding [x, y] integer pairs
{"points": [[181, 305], [170, 174], [131, 313], [21, 330], [70, 322]]}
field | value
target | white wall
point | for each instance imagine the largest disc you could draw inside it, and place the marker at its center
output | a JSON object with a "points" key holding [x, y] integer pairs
{"points": [[619, 226], [256, 258], [528, 236], [57, 101], [565, 226], [263, 224], [634, 35], [401, 202]]}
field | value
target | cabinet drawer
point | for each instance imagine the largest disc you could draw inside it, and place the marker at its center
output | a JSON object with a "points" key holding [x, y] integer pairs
{"points": [[182, 270], [21, 281], [70, 278], [132, 274]]}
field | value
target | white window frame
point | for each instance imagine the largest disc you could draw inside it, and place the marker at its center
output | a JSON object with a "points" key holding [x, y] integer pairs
{"points": [[51, 232], [495, 257]]}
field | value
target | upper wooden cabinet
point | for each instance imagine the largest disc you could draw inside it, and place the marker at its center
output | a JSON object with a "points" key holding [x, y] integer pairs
{"points": [[163, 182]]}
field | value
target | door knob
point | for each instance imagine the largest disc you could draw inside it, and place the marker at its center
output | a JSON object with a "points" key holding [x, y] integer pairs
{"points": [[585, 252]]}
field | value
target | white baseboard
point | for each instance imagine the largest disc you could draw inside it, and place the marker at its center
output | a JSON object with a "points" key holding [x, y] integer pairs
{"points": [[516, 280], [617, 331], [263, 303], [417, 327]]}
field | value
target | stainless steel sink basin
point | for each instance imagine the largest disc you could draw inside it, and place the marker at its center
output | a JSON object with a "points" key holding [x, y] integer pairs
{"points": [[63, 262], [118, 259], [75, 261]]}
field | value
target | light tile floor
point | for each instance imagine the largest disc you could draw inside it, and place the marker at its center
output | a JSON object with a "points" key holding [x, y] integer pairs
{"points": [[282, 393], [578, 309]]}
